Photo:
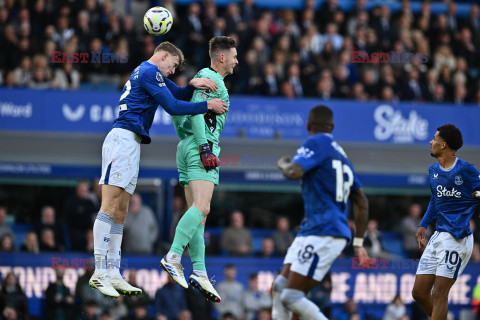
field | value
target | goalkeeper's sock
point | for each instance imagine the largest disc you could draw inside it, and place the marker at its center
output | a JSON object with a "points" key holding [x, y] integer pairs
{"points": [[196, 249], [185, 230]]}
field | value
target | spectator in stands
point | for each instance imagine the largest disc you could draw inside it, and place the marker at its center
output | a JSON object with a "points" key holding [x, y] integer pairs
{"points": [[119, 309], [236, 239], [59, 302], [140, 312], [142, 299], [66, 77], [373, 242], [228, 316], [48, 221], [79, 211], [199, 306], [395, 310], [282, 237], [47, 241], [4, 228], [30, 243], [23, 73], [231, 292], [349, 308], [89, 311], [268, 249], [141, 228], [164, 297], [7, 243], [253, 299], [409, 227], [12, 295]]}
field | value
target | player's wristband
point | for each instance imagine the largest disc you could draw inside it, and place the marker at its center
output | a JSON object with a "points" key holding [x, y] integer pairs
{"points": [[358, 242]]}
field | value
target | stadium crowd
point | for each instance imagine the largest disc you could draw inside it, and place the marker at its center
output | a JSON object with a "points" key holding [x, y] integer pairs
{"points": [[282, 52]]}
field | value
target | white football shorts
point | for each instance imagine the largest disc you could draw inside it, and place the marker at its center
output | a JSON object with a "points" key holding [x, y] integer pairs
{"points": [[315, 255], [445, 255], [121, 159], [293, 251]]}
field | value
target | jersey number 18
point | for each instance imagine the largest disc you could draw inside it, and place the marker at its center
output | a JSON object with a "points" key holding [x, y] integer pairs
{"points": [[342, 186]]}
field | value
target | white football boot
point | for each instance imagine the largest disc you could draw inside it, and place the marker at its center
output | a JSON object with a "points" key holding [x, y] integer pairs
{"points": [[122, 286], [175, 270], [203, 284], [101, 282]]}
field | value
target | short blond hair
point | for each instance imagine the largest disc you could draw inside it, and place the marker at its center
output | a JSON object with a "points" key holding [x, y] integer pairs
{"points": [[171, 49]]}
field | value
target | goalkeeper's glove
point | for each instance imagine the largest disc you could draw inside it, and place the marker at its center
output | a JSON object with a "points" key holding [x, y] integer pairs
{"points": [[209, 160]]}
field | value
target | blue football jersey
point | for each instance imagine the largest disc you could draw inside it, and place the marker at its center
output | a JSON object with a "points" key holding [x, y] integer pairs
{"points": [[326, 185], [452, 203], [144, 91]]}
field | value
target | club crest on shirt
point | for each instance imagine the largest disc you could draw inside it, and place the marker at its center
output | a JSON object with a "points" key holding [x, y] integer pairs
{"points": [[159, 77], [458, 180]]}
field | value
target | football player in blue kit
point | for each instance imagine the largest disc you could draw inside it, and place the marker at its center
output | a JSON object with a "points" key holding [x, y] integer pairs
{"points": [[328, 182], [146, 89], [453, 183]]}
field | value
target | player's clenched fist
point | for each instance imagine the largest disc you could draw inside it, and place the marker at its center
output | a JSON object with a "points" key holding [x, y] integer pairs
{"points": [[217, 106], [209, 160]]}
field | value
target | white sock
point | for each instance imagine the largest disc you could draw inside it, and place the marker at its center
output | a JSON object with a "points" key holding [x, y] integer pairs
{"points": [[172, 257], [279, 312], [200, 273], [305, 309], [114, 253], [101, 237]]}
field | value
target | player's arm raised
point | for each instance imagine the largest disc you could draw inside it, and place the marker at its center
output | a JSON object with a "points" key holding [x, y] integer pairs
{"points": [[360, 212], [186, 93], [156, 87]]}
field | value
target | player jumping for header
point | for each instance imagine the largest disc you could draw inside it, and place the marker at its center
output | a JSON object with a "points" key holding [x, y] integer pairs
{"points": [[197, 162], [453, 183], [146, 89]]}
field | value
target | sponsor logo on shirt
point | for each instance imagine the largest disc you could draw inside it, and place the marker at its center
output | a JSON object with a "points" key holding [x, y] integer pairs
{"points": [[304, 152], [435, 176], [444, 192]]}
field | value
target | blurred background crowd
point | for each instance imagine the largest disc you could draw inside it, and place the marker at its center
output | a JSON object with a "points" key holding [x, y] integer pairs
{"points": [[290, 53]]}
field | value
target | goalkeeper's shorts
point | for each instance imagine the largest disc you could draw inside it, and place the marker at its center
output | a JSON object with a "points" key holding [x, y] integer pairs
{"points": [[189, 164]]}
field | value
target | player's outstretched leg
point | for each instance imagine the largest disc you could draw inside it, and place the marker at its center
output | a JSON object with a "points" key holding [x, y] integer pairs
{"points": [[114, 249], [297, 302], [422, 291], [101, 236], [279, 312], [199, 278], [183, 234], [201, 192]]}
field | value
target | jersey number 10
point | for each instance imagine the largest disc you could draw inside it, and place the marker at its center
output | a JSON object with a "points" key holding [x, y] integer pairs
{"points": [[342, 186]]}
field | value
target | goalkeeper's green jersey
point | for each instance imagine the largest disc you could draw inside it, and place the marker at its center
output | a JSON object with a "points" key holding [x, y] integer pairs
{"points": [[213, 122]]}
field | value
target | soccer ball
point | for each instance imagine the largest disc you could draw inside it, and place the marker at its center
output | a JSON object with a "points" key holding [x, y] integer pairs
{"points": [[157, 21]]}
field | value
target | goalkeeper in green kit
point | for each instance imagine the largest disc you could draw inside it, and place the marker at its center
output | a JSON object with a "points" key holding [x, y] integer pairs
{"points": [[197, 163]]}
